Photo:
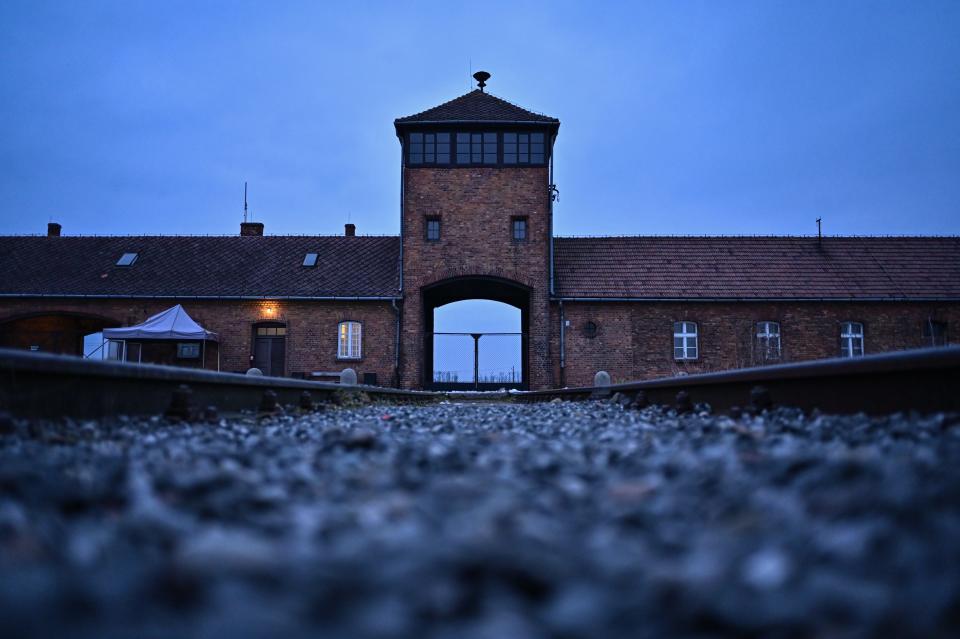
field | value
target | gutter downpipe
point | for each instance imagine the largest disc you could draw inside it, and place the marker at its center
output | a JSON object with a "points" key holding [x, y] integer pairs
{"points": [[550, 207], [396, 346], [393, 303], [563, 352]]}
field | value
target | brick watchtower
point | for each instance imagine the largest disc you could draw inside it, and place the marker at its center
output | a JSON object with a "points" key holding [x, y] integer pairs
{"points": [[476, 222]]}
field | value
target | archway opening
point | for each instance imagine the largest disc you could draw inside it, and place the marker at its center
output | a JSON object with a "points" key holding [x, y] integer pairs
{"points": [[478, 343], [475, 334]]}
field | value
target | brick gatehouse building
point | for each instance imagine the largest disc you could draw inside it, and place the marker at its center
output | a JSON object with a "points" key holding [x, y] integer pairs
{"points": [[477, 222]]}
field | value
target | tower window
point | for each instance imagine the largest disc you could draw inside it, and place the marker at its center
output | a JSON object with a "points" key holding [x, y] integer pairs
{"points": [[523, 148], [851, 339], [433, 229], [519, 228], [477, 148], [429, 148], [685, 340]]}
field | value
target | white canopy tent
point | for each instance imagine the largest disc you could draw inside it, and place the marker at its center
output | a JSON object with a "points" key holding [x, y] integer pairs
{"points": [[171, 324]]}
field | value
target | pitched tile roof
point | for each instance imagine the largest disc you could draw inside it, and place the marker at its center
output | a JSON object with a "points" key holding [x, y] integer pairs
{"points": [[477, 106], [193, 266], [758, 267]]}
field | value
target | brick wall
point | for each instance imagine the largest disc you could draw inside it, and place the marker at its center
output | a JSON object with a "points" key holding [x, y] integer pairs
{"points": [[635, 340], [311, 341], [475, 206]]}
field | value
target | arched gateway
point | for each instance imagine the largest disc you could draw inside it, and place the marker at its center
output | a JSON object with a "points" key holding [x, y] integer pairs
{"points": [[458, 289]]}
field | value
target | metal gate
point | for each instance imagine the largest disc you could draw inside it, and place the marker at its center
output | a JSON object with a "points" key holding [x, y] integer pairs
{"points": [[477, 361]]}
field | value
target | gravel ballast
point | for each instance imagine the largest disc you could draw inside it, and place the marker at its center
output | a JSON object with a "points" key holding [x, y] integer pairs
{"points": [[482, 520]]}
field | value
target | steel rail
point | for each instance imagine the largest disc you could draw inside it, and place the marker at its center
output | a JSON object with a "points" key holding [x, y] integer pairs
{"points": [[44, 385], [923, 380]]}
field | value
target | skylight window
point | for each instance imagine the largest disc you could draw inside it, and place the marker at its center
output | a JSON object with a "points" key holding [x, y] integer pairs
{"points": [[127, 259], [310, 259]]}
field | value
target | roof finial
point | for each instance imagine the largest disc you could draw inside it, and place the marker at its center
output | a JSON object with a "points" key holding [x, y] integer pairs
{"points": [[481, 77]]}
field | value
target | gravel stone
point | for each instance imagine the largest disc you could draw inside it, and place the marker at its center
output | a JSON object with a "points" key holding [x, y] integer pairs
{"points": [[591, 519]]}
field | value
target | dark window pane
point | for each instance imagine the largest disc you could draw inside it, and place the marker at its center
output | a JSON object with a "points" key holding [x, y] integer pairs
{"points": [[416, 137], [443, 138], [509, 138], [443, 158], [490, 137], [538, 137], [463, 158], [489, 158], [475, 138], [428, 158], [536, 158], [416, 158], [509, 158]]}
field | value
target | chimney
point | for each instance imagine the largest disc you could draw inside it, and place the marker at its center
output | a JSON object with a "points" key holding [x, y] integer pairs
{"points": [[53, 229], [349, 230], [252, 229]]}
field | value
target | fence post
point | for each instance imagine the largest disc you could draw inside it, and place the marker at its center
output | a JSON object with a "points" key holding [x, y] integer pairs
{"points": [[476, 359]]}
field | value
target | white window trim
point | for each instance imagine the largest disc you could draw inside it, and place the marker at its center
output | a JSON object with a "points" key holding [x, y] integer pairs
{"points": [[765, 337], [353, 339], [849, 331], [684, 335]]}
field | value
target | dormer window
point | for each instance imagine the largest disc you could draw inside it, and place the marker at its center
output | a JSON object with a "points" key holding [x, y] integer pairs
{"points": [[127, 259]]}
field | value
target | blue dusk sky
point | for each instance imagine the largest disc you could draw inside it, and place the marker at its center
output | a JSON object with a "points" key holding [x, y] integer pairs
{"points": [[677, 117]]}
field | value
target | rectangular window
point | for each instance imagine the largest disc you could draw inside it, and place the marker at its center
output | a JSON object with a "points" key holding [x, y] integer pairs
{"points": [[416, 148], [348, 340], [851, 339], [463, 148], [433, 229], [188, 351], [523, 148], [428, 148], [685, 340], [935, 333], [768, 340], [519, 229], [127, 259], [271, 331], [443, 148], [310, 259], [477, 148]]}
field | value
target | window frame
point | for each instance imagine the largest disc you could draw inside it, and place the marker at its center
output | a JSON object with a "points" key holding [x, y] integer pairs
{"points": [[513, 228], [434, 144], [194, 348], [467, 146], [123, 260], [847, 337], [310, 260], [348, 354], [426, 228], [680, 332], [764, 339]]}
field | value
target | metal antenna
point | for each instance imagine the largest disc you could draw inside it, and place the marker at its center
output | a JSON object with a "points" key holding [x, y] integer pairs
{"points": [[244, 202], [819, 235]]}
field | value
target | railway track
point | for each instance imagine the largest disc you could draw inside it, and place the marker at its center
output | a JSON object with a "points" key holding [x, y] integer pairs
{"points": [[41, 385]]}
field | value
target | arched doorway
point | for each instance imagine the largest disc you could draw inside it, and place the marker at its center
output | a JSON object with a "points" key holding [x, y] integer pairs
{"points": [[52, 332], [493, 356]]}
